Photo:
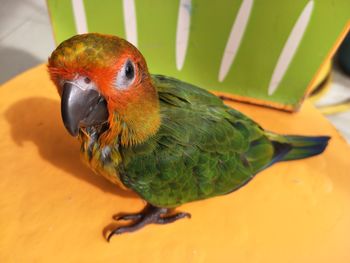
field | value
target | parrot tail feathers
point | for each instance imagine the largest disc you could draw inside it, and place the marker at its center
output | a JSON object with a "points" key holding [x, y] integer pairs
{"points": [[303, 146]]}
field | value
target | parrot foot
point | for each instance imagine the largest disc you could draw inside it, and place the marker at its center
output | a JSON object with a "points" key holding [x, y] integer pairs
{"points": [[153, 215]]}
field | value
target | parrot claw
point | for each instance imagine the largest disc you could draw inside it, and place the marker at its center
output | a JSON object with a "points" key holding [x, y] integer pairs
{"points": [[153, 215], [128, 217], [173, 218]]}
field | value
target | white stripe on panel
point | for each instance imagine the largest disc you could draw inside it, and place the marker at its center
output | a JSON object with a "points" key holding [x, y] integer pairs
{"points": [[290, 47], [130, 21], [79, 16], [235, 38], [182, 32]]}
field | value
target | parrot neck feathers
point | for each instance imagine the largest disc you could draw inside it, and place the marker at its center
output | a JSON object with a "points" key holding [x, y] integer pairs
{"points": [[131, 133], [135, 123]]}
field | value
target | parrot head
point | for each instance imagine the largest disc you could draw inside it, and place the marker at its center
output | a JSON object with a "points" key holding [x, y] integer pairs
{"points": [[103, 81]]}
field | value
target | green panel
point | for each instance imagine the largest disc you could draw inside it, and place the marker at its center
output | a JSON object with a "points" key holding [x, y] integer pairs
{"points": [[62, 19], [156, 23], [105, 17], [269, 26], [208, 35], [326, 25], [268, 29]]}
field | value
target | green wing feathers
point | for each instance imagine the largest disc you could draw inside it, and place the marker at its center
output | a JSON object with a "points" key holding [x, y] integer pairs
{"points": [[202, 149]]}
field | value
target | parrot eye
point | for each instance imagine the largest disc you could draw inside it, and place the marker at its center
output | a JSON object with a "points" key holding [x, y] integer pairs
{"points": [[87, 80], [129, 70], [126, 75]]}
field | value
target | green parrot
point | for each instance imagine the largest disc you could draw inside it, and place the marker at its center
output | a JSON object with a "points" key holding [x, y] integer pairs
{"points": [[169, 141]]}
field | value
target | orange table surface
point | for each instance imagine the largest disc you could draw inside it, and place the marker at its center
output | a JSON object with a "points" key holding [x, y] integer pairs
{"points": [[54, 209]]}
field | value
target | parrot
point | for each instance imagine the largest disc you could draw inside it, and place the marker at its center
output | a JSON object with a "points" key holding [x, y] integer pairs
{"points": [[168, 141]]}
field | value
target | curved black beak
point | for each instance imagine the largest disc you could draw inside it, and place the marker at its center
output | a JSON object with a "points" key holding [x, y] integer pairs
{"points": [[82, 108]]}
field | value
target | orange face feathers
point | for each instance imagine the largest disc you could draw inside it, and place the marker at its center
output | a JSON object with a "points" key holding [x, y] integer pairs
{"points": [[120, 75], [93, 55]]}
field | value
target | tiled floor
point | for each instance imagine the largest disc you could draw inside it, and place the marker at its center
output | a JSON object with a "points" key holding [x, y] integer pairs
{"points": [[25, 36], [26, 40]]}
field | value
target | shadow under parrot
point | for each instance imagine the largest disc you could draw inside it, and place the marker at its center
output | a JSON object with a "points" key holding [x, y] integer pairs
{"points": [[38, 120]]}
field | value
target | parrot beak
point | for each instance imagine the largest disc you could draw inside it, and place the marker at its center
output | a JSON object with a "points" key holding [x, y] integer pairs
{"points": [[82, 108]]}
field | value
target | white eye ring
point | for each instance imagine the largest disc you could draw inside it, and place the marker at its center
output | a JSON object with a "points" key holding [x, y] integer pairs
{"points": [[126, 75]]}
